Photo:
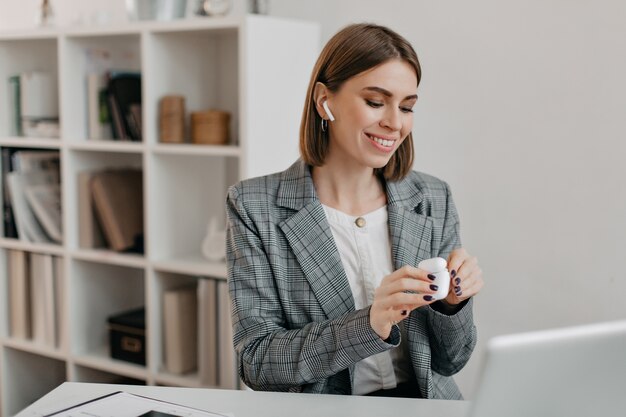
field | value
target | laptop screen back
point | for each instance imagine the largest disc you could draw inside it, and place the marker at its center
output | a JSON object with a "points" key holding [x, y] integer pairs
{"points": [[571, 372]]}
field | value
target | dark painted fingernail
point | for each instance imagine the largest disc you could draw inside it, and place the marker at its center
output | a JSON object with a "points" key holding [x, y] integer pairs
{"points": [[457, 289], [434, 287], [453, 273], [428, 298], [457, 280], [431, 276], [458, 294], [404, 312]]}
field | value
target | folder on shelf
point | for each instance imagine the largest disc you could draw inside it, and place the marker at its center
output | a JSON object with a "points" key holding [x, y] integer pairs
{"points": [[90, 234], [118, 199], [228, 377], [19, 290], [180, 329], [59, 301], [42, 299], [207, 331]]}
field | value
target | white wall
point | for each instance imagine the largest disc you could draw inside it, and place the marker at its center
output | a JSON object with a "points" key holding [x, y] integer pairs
{"points": [[523, 111]]}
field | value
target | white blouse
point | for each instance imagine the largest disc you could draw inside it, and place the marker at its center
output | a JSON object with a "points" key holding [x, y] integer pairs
{"points": [[365, 249]]}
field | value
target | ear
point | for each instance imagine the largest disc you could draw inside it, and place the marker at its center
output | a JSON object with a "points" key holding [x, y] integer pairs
{"points": [[320, 95]]}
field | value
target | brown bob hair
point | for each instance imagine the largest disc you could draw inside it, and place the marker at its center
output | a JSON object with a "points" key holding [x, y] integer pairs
{"points": [[353, 50]]}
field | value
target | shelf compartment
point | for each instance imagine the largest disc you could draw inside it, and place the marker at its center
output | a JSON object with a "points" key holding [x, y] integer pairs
{"points": [[184, 192], [207, 80], [32, 376], [98, 291], [87, 160], [165, 281], [20, 55], [89, 54]]}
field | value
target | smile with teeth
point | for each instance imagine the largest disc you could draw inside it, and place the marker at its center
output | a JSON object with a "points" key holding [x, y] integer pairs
{"points": [[382, 142]]}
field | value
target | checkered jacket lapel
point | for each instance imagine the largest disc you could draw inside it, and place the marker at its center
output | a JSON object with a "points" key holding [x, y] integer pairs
{"points": [[312, 243]]}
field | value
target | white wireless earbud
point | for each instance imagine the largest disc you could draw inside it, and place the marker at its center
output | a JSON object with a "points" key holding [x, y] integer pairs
{"points": [[328, 112]]}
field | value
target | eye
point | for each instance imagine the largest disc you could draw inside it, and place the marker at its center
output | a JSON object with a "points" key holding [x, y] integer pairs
{"points": [[406, 109], [374, 104]]}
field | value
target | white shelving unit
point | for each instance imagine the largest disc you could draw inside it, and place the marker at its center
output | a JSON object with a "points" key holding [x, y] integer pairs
{"points": [[257, 68]]}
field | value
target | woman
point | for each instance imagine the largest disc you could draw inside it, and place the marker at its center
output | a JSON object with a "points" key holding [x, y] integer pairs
{"points": [[322, 258]]}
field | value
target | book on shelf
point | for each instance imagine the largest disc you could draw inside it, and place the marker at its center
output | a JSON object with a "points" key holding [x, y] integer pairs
{"points": [[31, 209], [14, 106], [33, 188], [42, 299], [228, 377], [180, 329], [19, 290], [207, 331], [8, 218], [90, 234], [118, 199], [59, 301], [124, 98], [45, 201], [98, 117]]}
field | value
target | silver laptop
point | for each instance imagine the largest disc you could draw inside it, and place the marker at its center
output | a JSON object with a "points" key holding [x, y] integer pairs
{"points": [[570, 372]]}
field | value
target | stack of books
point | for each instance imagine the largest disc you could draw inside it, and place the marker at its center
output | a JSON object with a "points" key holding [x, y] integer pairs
{"points": [[31, 195], [36, 296], [114, 106], [110, 209]]}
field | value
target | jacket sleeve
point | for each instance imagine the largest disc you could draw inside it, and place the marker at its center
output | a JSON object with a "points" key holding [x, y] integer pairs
{"points": [[453, 336], [270, 356]]}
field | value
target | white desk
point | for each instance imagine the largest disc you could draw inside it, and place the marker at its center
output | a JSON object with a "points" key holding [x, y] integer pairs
{"points": [[254, 404]]}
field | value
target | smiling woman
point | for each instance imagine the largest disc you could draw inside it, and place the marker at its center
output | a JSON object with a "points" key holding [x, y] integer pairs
{"points": [[323, 257]]}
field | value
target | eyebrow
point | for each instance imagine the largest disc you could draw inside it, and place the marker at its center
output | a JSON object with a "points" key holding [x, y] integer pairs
{"points": [[388, 93]]}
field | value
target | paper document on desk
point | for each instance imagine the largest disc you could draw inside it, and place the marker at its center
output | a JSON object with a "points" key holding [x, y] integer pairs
{"points": [[124, 404]]}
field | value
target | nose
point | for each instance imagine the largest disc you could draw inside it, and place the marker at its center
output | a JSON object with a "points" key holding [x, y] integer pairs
{"points": [[392, 120]]}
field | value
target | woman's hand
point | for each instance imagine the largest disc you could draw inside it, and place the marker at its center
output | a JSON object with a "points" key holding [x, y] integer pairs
{"points": [[466, 277], [400, 292]]}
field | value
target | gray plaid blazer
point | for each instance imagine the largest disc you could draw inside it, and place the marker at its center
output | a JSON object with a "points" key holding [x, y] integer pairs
{"points": [[294, 321]]}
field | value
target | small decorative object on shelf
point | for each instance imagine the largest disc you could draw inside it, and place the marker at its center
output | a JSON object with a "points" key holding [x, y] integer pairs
{"points": [[172, 119], [214, 7], [214, 244], [210, 127], [45, 15]]}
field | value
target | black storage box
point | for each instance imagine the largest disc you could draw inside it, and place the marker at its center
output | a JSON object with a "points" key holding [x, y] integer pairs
{"points": [[127, 336]]}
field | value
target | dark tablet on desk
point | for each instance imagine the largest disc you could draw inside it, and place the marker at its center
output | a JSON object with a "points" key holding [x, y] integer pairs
{"points": [[157, 414]]}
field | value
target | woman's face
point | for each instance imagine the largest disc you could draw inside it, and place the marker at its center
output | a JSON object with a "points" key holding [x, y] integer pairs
{"points": [[373, 114]]}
